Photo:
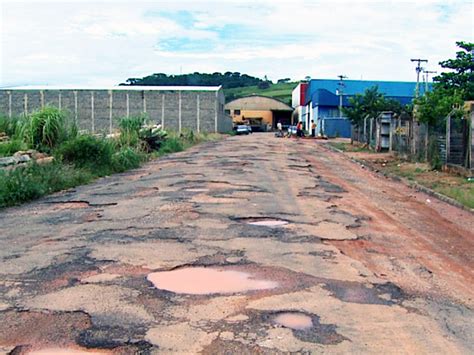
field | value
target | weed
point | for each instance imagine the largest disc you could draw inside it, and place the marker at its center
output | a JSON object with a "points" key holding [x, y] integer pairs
{"points": [[126, 159], [33, 181], [47, 128], [87, 151], [11, 147]]}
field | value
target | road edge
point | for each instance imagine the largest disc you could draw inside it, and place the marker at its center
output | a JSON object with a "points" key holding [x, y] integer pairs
{"points": [[413, 185]]}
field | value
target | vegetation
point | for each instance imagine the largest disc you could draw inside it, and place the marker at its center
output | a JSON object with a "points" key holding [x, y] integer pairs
{"points": [[235, 84], [227, 80], [78, 158], [370, 104], [280, 91]]}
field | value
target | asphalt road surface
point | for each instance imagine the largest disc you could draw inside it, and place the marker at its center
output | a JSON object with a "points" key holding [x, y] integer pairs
{"points": [[248, 245]]}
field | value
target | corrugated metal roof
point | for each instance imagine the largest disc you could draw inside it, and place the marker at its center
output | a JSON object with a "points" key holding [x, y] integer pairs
{"points": [[258, 103], [117, 88], [352, 87]]}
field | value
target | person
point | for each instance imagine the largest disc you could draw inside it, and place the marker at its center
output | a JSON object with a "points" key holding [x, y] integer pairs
{"points": [[313, 129], [299, 129], [280, 129]]}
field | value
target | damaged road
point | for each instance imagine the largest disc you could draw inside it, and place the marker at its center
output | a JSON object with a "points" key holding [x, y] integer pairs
{"points": [[248, 245]]}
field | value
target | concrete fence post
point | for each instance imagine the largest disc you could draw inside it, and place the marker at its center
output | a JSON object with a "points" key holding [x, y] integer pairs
{"points": [[25, 104], [179, 111], [9, 104], [215, 116], [163, 111], [111, 102], [198, 113], [448, 138], [75, 107], [128, 104], [42, 98], [60, 100], [144, 101], [92, 111]]}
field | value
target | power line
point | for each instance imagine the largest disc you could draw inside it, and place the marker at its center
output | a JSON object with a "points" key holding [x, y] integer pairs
{"points": [[419, 69], [340, 91]]}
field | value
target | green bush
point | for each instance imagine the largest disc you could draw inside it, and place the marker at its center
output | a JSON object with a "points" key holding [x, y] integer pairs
{"points": [[47, 128], [33, 181], [126, 159], [87, 151], [171, 145], [9, 148], [129, 130]]}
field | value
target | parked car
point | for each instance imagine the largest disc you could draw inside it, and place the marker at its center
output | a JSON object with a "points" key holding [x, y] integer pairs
{"points": [[243, 129]]}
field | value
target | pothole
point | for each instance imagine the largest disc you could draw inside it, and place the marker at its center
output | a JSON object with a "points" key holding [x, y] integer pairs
{"points": [[263, 221], [204, 281], [293, 320], [66, 351]]}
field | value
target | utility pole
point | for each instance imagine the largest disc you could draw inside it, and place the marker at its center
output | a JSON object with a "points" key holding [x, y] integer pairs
{"points": [[340, 91], [419, 69], [427, 73]]}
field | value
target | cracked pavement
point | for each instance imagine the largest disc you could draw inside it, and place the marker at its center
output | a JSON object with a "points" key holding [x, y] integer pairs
{"points": [[367, 261]]}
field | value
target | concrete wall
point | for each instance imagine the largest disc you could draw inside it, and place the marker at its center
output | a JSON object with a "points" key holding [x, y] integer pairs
{"points": [[100, 110]]}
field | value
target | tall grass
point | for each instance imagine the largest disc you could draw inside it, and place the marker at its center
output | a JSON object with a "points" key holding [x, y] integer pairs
{"points": [[33, 181]]}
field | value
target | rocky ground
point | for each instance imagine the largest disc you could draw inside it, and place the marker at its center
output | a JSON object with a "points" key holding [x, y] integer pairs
{"points": [[248, 245]]}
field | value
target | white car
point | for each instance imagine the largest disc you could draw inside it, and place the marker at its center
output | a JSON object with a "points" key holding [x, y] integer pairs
{"points": [[243, 129]]}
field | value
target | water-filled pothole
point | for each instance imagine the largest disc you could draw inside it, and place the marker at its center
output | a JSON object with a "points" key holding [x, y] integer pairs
{"points": [[263, 221], [204, 281], [293, 320], [65, 351]]}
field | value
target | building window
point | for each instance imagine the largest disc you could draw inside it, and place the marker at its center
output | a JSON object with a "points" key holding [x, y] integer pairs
{"points": [[236, 112], [227, 112]]}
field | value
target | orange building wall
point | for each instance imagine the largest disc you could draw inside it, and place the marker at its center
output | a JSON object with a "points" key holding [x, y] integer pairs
{"points": [[267, 116]]}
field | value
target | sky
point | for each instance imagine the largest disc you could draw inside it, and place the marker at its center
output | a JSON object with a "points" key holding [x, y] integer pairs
{"points": [[103, 43]]}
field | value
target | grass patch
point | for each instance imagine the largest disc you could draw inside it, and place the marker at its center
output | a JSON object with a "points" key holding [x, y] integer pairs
{"points": [[78, 159], [347, 147], [30, 182]]}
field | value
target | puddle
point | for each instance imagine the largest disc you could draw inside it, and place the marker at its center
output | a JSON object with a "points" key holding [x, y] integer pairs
{"points": [[263, 221], [203, 281], [269, 223], [65, 351], [296, 321]]}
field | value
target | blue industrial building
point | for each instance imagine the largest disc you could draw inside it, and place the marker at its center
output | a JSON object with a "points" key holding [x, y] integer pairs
{"points": [[323, 97]]}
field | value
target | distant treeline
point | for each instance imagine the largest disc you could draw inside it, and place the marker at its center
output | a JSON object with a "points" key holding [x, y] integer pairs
{"points": [[228, 80]]}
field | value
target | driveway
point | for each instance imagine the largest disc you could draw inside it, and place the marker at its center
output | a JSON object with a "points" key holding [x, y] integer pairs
{"points": [[253, 244]]}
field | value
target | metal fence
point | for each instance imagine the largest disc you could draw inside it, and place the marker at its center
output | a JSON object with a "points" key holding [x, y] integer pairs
{"points": [[441, 146]]}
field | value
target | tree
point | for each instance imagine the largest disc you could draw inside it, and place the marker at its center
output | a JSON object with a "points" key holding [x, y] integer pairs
{"points": [[460, 78], [435, 106], [369, 105]]}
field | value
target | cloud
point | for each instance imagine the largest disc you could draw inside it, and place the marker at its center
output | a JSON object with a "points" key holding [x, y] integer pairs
{"points": [[108, 41]]}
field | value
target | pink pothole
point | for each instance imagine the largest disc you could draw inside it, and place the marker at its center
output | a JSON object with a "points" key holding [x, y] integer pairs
{"points": [[204, 281], [292, 320]]}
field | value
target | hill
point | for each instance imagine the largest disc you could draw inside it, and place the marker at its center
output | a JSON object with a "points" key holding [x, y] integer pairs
{"points": [[280, 91]]}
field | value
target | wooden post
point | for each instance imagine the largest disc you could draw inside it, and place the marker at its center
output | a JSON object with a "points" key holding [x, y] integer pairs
{"points": [[448, 138]]}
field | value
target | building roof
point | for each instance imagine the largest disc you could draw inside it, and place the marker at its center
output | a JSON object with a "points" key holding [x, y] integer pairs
{"points": [[258, 103], [117, 88], [319, 88]]}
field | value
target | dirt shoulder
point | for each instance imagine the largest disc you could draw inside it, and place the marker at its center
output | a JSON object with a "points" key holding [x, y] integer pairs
{"points": [[444, 185]]}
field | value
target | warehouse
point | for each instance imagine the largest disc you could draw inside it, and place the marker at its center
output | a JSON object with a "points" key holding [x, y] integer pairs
{"points": [[321, 100], [197, 108], [261, 112]]}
